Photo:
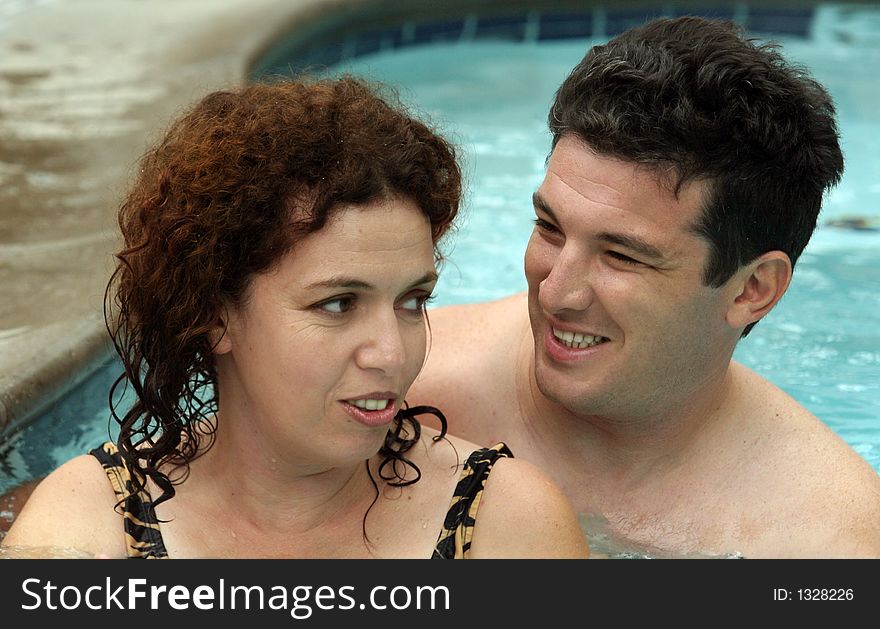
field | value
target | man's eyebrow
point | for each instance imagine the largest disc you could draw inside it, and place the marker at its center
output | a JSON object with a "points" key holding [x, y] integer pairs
{"points": [[633, 244], [630, 242], [540, 204], [343, 281]]}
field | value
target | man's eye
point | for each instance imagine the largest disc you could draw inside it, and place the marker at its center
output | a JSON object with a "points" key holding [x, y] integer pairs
{"points": [[624, 258], [543, 225], [339, 305]]}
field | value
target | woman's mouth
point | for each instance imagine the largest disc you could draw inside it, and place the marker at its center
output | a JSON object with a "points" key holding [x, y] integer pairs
{"points": [[375, 410]]}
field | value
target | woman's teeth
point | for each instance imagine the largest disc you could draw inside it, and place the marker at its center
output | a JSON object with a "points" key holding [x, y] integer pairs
{"points": [[370, 405]]}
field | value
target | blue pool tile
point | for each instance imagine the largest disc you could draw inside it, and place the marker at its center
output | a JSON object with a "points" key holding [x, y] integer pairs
{"points": [[780, 21], [367, 43], [712, 13], [373, 41], [427, 32], [326, 55], [507, 27], [565, 26], [617, 21]]}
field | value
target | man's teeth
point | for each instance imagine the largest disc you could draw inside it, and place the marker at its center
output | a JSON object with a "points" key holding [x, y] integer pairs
{"points": [[578, 341], [370, 405]]}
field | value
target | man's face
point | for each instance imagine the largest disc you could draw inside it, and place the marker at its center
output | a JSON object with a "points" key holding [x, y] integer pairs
{"points": [[623, 325]]}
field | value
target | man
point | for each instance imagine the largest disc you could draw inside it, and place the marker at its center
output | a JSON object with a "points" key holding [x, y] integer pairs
{"points": [[686, 175]]}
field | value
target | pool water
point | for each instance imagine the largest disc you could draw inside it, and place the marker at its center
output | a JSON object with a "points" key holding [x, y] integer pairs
{"points": [[821, 344]]}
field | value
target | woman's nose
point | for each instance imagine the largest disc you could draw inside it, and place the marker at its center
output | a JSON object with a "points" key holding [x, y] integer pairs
{"points": [[384, 347]]}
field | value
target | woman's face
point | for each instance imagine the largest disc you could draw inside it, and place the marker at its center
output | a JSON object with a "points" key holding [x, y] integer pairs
{"points": [[317, 361]]}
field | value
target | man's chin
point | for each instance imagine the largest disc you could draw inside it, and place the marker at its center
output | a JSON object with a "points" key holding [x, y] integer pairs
{"points": [[563, 390], [555, 387]]}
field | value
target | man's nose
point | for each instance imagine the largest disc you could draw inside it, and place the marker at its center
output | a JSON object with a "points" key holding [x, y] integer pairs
{"points": [[568, 285]]}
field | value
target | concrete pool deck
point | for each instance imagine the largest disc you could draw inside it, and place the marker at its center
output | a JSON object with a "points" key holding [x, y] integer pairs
{"points": [[85, 87]]}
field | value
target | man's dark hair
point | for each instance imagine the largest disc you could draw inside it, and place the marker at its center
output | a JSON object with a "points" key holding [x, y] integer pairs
{"points": [[700, 97]]}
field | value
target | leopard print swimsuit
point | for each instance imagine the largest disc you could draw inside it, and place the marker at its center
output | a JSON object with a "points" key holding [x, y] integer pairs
{"points": [[144, 539]]}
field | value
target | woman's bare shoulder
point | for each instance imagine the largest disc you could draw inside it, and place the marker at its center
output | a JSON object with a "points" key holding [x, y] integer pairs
{"points": [[72, 508], [441, 453], [546, 526], [516, 491]]}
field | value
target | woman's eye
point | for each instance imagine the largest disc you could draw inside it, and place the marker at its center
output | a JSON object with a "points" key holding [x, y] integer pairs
{"points": [[339, 305], [416, 303]]}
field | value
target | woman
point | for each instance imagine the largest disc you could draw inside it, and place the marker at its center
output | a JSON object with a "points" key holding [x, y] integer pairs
{"points": [[269, 308]]}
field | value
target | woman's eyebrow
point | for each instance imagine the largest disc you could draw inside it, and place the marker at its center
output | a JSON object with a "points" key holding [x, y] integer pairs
{"points": [[347, 282], [341, 281]]}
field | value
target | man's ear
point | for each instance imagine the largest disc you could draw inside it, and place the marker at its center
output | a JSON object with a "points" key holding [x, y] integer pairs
{"points": [[218, 335], [758, 286]]}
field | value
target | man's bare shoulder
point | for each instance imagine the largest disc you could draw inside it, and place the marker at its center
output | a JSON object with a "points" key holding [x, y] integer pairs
{"points": [[483, 323], [823, 493], [782, 422], [468, 370], [473, 337]]}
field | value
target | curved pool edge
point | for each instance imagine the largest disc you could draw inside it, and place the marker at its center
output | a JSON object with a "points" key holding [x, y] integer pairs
{"points": [[84, 87], [67, 357]]}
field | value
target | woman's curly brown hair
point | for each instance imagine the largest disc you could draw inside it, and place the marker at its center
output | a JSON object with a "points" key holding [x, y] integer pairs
{"points": [[234, 184]]}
